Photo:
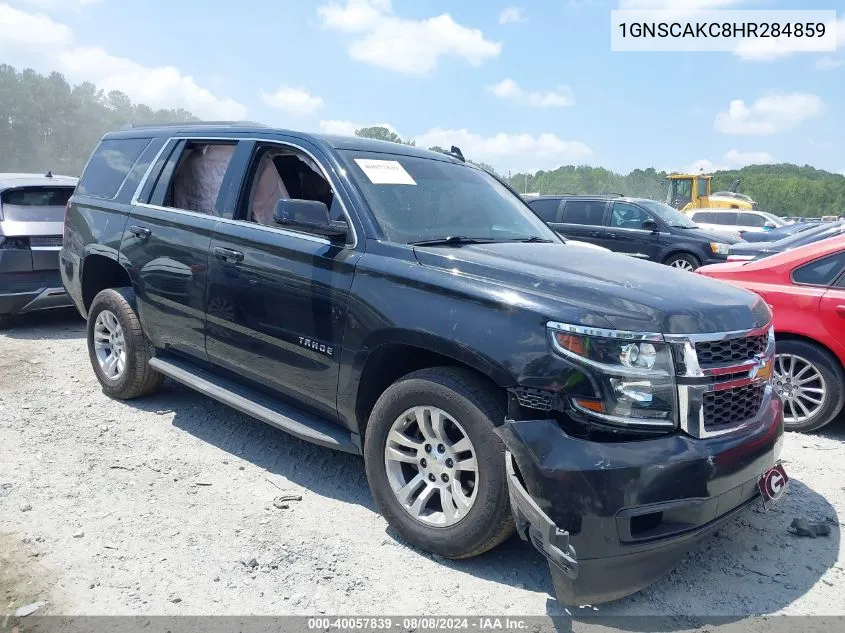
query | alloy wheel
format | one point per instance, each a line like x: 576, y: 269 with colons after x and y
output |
x: 682, y: 264
x: 431, y: 466
x: 109, y: 344
x: 801, y: 386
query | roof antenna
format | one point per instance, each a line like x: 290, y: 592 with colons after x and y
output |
x: 457, y: 153
x: 49, y: 174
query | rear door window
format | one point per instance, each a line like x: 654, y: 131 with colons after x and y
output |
x: 821, y: 272
x: 546, y: 209
x: 197, y: 171
x: 704, y: 217
x: 729, y: 218
x: 109, y: 165
x: 586, y: 212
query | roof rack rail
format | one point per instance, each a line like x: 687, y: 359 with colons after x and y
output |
x: 141, y: 126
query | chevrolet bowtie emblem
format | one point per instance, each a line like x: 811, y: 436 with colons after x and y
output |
x: 762, y: 369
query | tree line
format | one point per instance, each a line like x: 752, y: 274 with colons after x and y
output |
x: 47, y: 124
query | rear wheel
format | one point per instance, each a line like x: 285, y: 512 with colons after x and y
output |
x: 435, y: 464
x: 117, y: 348
x: 809, y: 381
x: 683, y: 261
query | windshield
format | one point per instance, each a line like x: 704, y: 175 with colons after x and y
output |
x: 815, y: 234
x: 670, y: 216
x: 419, y: 199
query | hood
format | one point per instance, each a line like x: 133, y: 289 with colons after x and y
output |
x: 610, y: 290
x: 710, y: 236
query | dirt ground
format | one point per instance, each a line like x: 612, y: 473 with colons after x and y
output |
x: 165, y: 506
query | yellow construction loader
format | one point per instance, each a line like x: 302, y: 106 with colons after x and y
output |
x: 687, y: 191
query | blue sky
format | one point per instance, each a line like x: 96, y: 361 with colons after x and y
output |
x: 520, y: 84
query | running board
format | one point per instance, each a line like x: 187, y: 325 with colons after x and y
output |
x: 285, y: 417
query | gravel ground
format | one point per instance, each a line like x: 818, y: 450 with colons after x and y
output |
x: 165, y: 506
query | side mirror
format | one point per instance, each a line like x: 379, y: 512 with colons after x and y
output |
x: 309, y: 216
x: 650, y: 225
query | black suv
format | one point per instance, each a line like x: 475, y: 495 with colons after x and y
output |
x: 638, y: 227
x: 402, y: 304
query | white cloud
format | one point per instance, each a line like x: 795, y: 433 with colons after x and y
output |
x: 512, y: 14
x: 829, y: 63
x: 677, y: 5
x: 62, y: 4
x: 413, y: 47
x: 347, y: 128
x: 35, y: 40
x: 517, y: 152
x: 732, y: 159
x: 508, y: 89
x: 295, y: 101
x: 735, y: 158
x: 768, y: 49
x: 769, y: 114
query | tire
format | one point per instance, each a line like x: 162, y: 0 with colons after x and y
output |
x: 137, y: 378
x: 683, y: 261
x: 473, y: 405
x: 831, y: 380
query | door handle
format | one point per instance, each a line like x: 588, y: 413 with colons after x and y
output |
x: 612, y: 236
x: 227, y: 254
x: 840, y: 310
x: 594, y: 233
x: 140, y: 231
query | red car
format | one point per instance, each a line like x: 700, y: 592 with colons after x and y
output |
x: 805, y: 288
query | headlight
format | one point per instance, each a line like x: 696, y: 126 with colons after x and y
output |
x: 633, y: 375
x: 720, y: 249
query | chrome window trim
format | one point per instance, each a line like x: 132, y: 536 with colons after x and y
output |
x: 279, y: 231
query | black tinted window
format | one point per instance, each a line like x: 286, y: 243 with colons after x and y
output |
x: 38, y: 196
x: 109, y: 166
x: 728, y: 217
x: 627, y: 216
x: 546, y: 209
x: 588, y: 212
x: 821, y: 272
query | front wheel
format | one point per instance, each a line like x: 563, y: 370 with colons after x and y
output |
x: 435, y: 465
x: 809, y: 381
x: 683, y: 261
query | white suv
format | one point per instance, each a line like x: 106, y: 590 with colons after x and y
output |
x: 735, y: 221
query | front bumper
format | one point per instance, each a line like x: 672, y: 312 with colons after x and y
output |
x: 612, y: 518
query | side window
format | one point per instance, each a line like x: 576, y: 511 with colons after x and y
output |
x: 546, y: 209
x: 702, y: 187
x: 627, y: 216
x: 821, y: 272
x: 589, y: 212
x: 705, y: 217
x: 197, y: 177
x: 728, y: 218
x: 282, y: 173
x: 109, y: 165
x: 752, y: 219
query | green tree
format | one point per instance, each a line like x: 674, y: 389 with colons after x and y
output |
x: 380, y: 133
x: 48, y: 125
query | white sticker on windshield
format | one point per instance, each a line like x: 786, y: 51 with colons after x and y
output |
x: 385, y: 172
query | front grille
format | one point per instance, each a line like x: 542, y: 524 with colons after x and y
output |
x: 735, y: 350
x: 732, y: 407
x: 45, y: 240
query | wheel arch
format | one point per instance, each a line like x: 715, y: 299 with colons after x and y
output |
x: 98, y: 273
x: 794, y: 336
x: 405, y: 352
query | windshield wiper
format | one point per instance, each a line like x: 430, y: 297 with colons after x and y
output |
x: 452, y: 239
x: 535, y: 239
